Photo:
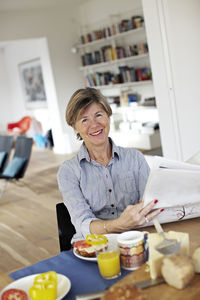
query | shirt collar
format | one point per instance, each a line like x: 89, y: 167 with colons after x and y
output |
x: 83, y: 153
x: 115, y: 149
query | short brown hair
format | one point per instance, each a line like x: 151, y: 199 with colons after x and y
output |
x: 82, y: 99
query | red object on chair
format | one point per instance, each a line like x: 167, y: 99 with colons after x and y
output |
x: 19, y: 127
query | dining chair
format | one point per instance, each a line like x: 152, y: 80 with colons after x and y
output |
x: 66, y: 229
x: 6, y: 143
x: 19, y: 127
x: 16, y: 168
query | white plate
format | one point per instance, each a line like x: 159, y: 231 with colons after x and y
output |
x: 25, y: 283
x: 84, y: 257
x: 112, y: 244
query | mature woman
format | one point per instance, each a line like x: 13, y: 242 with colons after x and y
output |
x: 103, y: 184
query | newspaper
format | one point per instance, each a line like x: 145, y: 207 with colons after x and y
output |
x: 176, y: 185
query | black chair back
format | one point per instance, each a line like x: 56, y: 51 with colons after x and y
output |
x: 6, y: 143
x: 66, y: 229
x: 23, y: 149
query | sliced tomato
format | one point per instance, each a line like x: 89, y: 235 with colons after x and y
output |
x: 14, y: 294
x: 81, y: 244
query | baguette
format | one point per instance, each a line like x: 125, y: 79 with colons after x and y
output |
x: 178, y: 270
x: 125, y: 292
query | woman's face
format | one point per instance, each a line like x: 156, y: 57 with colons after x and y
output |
x: 93, y: 125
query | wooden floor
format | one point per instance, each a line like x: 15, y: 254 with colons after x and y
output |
x: 28, y: 224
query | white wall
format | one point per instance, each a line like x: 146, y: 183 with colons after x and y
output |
x: 60, y: 29
x: 14, y: 54
x: 173, y: 30
x: 93, y: 12
x: 5, y: 96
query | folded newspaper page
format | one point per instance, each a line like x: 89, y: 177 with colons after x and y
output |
x: 176, y: 185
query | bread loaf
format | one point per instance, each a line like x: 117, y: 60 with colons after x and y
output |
x: 124, y: 292
x: 177, y: 270
x: 196, y: 260
x: 155, y: 257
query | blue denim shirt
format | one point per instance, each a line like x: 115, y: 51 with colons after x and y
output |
x: 92, y: 191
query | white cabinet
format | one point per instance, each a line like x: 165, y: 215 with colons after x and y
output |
x: 136, y: 127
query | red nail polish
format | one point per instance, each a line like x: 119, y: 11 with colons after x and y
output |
x: 155, y: 201
x: 162, y: 209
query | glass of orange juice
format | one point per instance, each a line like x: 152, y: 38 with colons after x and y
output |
x: 109, y: 264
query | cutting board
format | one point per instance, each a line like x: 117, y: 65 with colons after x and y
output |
x: 163, y: 291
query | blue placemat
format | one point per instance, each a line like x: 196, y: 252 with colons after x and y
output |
x: 84, y: 275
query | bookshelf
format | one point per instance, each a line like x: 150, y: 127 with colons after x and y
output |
x: 115, y: 59
x: 116, y: 54
x: 113, y: 62
x: 112, y: 37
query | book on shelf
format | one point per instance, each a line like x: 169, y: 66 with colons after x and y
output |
x: 123, y: 26
x: 89, y: 80
x: 143, y: 74
x: 137, y: 21
x: 151, y: 101
x: 98, y: 57
x: 125, y: 74
x: 113, y: 29
x: 114, y: 100
x: 83, y: 60
x: 89, y: 58
x: 108, y: 53
x: 129, y: 99
x: 142, y: 48
x: 82, y: 38
x: 120, y: 52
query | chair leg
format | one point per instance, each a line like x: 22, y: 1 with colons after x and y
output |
x: 4, y: 188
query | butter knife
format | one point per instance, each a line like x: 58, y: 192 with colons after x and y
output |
x: 142, y: 285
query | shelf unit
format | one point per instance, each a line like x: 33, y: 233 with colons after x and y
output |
x: 112, y: 37
x: 124, y: 85
x: 120, y: 63
x: 144, y: 88
x: 115, y: 62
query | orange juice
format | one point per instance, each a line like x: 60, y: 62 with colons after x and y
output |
x: 109, y: 264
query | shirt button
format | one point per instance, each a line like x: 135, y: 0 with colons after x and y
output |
x: 112, y: 213
x: 112, y: 205
x: 110, y: 190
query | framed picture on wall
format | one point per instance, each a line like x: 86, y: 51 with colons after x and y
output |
x: 33, y: 83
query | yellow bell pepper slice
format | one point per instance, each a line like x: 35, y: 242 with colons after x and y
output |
x: 49, y: 276
x: 44, y: 287
x: 96, y: 239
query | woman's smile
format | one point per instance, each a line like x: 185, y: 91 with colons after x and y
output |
x: 93, y: 125
x: 96, y: 133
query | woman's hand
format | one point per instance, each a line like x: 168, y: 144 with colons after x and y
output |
x: 132, y: 216
x: 137, y: 215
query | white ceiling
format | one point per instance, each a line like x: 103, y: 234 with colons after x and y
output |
x: 13, y: 5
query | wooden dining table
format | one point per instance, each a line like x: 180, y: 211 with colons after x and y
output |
x: 191, y: 226
x: 164, y: 291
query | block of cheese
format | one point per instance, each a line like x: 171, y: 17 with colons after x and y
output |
x: 196, y: 259
x: 177, y: 270
x: 155, y: 257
